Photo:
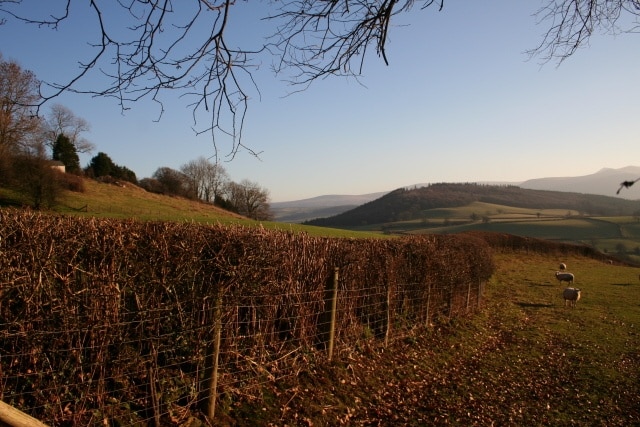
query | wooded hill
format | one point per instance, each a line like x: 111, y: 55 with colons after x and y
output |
x: 409, y: 204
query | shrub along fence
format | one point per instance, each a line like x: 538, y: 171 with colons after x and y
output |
x: 150, y: 323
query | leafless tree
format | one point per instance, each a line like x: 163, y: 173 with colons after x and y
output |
x: 145, y: 48
x: 249, y: 199
x: 62, y: 121
x: 18, y: 95
x: 174, y: 182
x: 22, y: 154
x: 207, y: 178
x: 35, y: 178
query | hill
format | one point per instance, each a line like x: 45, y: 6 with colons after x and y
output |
x: 319, y: 207
x: 129, y: 200
x: 126, y: 200
x: 410, y: 204
x: 604, y: 182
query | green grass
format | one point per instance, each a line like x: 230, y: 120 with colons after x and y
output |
x: 525, y: 359
x: 319, y: 231
x: 570, y: 229
x: 493, y: 210
x: 129, y: 201
x: 606, y: 234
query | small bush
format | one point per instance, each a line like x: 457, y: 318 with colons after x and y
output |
x: 72, y: 182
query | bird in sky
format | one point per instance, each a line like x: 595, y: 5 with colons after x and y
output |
x: 626, y: 184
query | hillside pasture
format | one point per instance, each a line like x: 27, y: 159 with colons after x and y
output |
x: 493, y: 210
x: 126, y: 200
x: 561, y: 229
x: 525, y: 360
x: 610, y: 234
x: 630, y: 227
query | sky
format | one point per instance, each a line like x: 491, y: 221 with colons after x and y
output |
x: 460, y: 101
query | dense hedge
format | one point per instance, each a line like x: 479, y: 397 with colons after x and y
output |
x: 512, y: 243
x: 103, y: 319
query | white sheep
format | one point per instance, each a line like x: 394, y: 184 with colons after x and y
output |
x: 563, y: 266
x: 571, y: 296
x: 565, y: 277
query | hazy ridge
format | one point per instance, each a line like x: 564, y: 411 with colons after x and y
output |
x: 605, y: 182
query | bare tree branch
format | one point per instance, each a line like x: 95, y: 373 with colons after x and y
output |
x: 153, y: 48
x: 321, y: 38
x: 145, y: 48
x: 571, y: 23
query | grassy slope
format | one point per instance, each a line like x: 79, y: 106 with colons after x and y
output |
x: 129, y: 201
x: 604, y: 233
x: 524, y: 360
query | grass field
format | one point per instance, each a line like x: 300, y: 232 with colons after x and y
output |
x: 525, y: 360
x: 618, y: 234
x: 128, y: 201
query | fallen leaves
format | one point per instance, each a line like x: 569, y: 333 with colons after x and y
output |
x: 503, y: 367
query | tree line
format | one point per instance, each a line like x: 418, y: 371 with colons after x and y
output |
x: 209, y: 182
x: 39, y: 157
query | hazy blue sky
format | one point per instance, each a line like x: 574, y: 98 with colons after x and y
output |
x: 459, y: 102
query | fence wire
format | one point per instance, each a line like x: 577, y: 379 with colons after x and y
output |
x: 107, y: 322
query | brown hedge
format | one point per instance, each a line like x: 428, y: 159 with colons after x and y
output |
x: 104, y: 318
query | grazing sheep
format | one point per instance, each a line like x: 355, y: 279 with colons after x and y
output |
x: 563, y: 266
x: 571, y: 296
x: 565, y: 277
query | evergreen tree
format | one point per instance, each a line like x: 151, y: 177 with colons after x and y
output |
x: 65, y: 152
x: 101, y: 165
x: 124, y: 173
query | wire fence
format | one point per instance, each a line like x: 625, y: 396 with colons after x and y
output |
x: 106, y: 322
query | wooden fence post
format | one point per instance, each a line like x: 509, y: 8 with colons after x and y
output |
x: 334, y: 306
x: 10, y: 416
x: 428, y: 301
x: 388, y: 329
x: 450, y: 306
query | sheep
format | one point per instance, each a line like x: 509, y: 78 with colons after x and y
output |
x: 565, y: 277
x: 563, y: 266
x: 571, y: 296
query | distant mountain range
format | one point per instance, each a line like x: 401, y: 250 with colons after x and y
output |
x: 604, y: 182
x: 319, y: 207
